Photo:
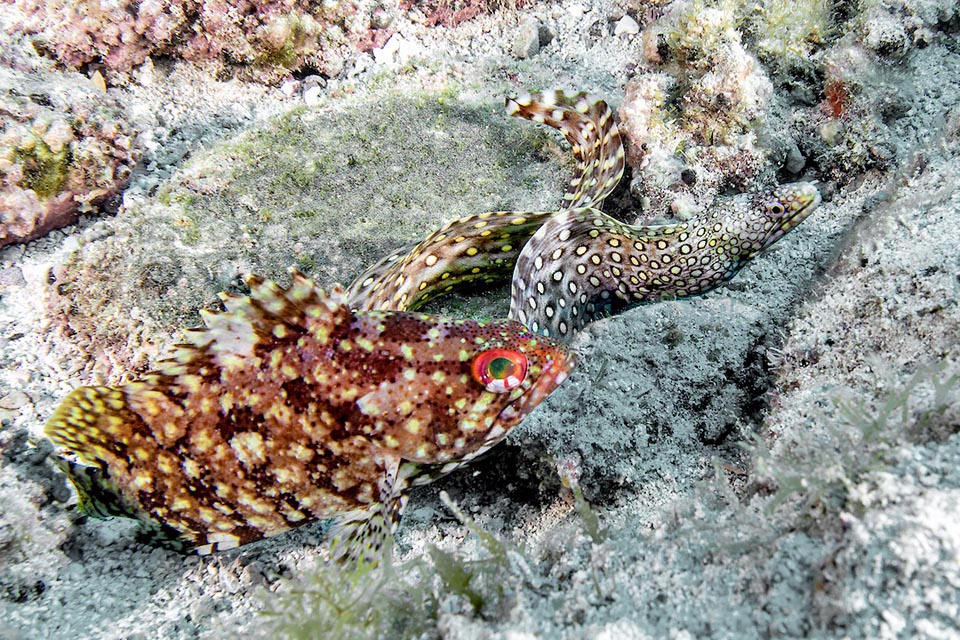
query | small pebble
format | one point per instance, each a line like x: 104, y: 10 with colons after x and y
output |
x: 526, y: 43
x: 312, y: 95
x: 795, y: 160
x: 290, y: 88
x: 626, y: 26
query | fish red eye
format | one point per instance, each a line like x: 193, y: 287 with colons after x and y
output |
x: 500, y: 370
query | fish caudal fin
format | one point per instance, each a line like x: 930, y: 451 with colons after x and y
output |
x: 98, y: 497
x: 589, y: 126
x: 92, y: 423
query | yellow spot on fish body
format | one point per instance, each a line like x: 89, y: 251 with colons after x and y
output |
x: 349, y: 393
x: 321, y: 333
x: 191, y: 468
x: 166, y: 463
x: 143, y: 481
x: 368, y: 406
x: 346, y: 345
x: 231, y: 362
x: 364, y: 344
x: 439, y: 376
x: 409, y: 374
x: 413, y: 426
x: 406, y: 351
x: 190, y: 382
x: 463, y: 355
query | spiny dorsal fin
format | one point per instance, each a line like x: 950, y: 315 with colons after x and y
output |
x: 269, y: 312
x: 589, y: 126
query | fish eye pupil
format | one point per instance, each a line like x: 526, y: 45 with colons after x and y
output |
x: 777, y: 209
x: 500, y: 368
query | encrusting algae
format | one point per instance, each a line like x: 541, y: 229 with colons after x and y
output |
x: 288, y: 407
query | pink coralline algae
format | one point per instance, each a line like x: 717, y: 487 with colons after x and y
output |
x: 267, y: 37
x: 65, y: 148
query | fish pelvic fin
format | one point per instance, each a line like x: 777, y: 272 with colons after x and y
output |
x: 366, y: 537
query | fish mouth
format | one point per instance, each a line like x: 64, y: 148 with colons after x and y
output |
x: 555, y: 371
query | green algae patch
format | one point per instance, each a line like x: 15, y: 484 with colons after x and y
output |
x: 44, y: 170
x: 329, y: 190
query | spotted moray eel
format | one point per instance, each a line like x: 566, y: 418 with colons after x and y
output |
x: 289, y: 407
x: 484, y: 248
x: 574, y: 265
x: 583, y: 264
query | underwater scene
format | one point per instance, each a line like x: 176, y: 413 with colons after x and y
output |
x: 465, y: 319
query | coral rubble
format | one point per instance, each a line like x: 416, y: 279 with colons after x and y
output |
x: 65, y: 149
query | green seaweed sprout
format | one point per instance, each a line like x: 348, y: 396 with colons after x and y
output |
x: 404, y: 600
x: 830, y: 476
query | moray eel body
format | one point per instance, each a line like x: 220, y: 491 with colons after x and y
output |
x: 583, y: 264
x: 574, y: 265
x: 290, y: 407
x: 484, y: 248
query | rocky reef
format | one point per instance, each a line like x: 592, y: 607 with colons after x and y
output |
x: 66, y: 148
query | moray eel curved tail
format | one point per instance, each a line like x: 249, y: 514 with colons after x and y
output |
x: 583, y: 264
x: 589, y: 126
x: 484, y: 248
x: 476, y: 249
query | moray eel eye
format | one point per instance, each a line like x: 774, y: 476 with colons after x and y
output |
x: 500, y: 370
x: 777, y: 209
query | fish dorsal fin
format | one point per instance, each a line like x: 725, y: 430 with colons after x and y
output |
x: 269, y: 313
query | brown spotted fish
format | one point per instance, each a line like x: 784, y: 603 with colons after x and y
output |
x: 289, y: 407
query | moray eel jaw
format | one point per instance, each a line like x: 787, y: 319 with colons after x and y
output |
x: 785, y: 208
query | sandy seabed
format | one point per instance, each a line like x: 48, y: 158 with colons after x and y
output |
x: 777, y: 458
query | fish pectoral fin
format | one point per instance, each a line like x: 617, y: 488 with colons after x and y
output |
x: 365, y: 537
